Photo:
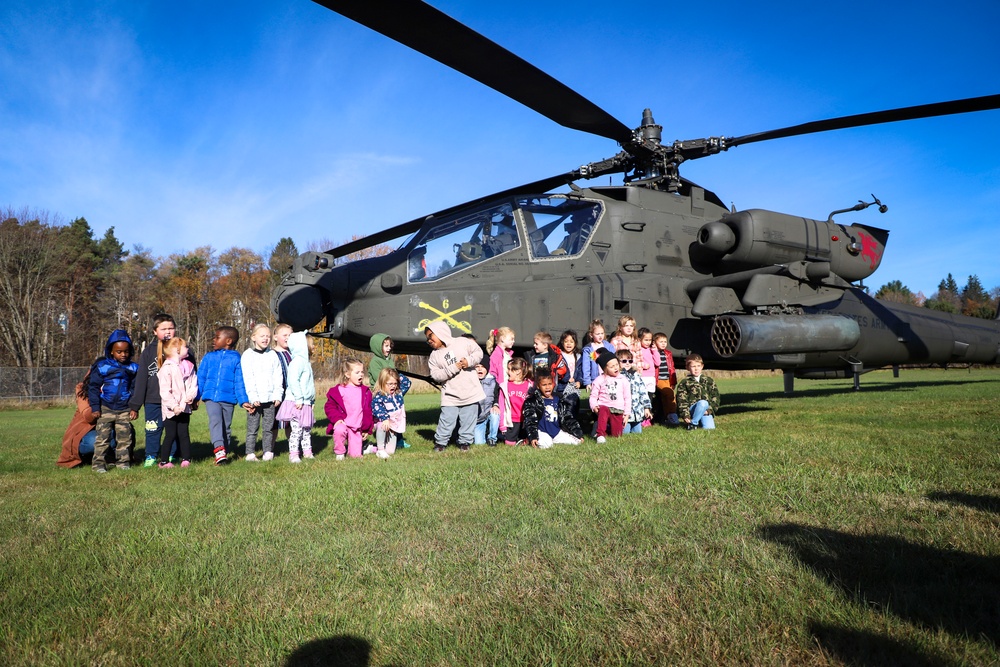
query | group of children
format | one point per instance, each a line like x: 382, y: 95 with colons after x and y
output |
x: 274, y: 385
x: 533, y: 399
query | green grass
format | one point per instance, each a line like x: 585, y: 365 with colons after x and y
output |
x: 833, y: 527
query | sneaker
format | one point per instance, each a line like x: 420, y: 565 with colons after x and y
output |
x: 601, y: 440
x: 268, y: 456
x: 340, y: 457
x: 370, y: 449
x: 100, y: 470
x: 222, y: 462
x: 404, y: 444
x: 294, y: 459
x: 439, y: 448
x: 382, y: 454
x: 691, y: 427
x: 519, y: 443
x: 463, y: 448
x: 149, y: 462
x: 124, y: 466
x: 491, y: 442
x: 168, y: 464
x: 308, y: 454
x: 250, y: 457
x: 185, y: 463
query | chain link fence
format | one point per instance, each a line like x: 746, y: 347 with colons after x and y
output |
x: 24, y: 385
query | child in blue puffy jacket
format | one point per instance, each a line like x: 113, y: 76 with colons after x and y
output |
x: 220, y: 380
x: 112, y: 381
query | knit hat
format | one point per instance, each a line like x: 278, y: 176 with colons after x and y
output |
x: 603, y: 357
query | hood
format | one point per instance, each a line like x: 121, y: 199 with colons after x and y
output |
x: 376, y: 344
x: 118, y: 336
x: 442, y: 331
x: 297, y: 345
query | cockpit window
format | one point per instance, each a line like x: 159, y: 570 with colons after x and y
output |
x: 462, y: 242
x: 559, y: 227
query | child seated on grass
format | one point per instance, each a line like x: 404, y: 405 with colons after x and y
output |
x: 697, y: 396
x: 548, y: 420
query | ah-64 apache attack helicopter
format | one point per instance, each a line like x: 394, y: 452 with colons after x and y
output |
x: 745, y: 289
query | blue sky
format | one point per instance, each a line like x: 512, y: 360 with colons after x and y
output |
x: 233, y: 124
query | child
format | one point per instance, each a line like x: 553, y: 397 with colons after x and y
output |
x: 516, y: 390
x: 547, y: 357
x: 178, y: 392
x: 547, y: 418
x: 666, y: 380
x: 265, y: 385
x: 280, y: 344
x: 297, y: 406
x: 111, y: 387
x: 641, y: 408
x: 349, y: 410
x: 697, y: 396
x: 647, y: 365
x: 452, y: 363
x: 489, y: 412
x: 381, y: 346
x: 220, y: 378
x: 570, y: 349
x: 389, y: 411
x: 147, y: 389
x: 500, y: 347
x: 648, y: 362
x: 625, y: 337
x: 610, y: 397
x: 591, y: 369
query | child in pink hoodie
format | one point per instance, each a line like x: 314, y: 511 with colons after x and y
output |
x: 610, y: 397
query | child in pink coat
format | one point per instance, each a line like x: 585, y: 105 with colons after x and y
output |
x: 349, y: 410
x: 178, y: 391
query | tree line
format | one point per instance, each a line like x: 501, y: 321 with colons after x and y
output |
x: 972, y: 299
x: 62, y: 291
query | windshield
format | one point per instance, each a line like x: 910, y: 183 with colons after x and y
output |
x: 463, y: 242
x: 559, y: 227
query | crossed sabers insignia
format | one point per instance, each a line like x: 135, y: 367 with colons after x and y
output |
x: 446, y: 317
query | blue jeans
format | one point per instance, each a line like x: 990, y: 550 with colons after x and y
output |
x: 492, y: 421
x: 633, y: 427
x: 87, y: 443
x: 698, y: 416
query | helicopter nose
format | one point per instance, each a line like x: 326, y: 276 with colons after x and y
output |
x: 299, y: 306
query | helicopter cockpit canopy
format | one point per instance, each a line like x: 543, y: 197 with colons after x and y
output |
x: 555, y: 227
x: 558, y: 226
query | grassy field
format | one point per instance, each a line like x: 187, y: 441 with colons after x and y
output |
x: 834, y: 527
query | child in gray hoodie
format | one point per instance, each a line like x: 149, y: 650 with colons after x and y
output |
x: 452, y: 364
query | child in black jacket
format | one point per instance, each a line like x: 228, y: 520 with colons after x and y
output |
x: 548, y: 420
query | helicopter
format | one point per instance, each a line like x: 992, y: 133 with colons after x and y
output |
x: 746, y: 289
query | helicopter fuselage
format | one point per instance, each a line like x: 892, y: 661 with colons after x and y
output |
x: 749, y: 289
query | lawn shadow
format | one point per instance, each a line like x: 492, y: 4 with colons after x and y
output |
x: 865, y: 649
x: 976, y: 502
x: 927, y: 586
x: 338, y: 651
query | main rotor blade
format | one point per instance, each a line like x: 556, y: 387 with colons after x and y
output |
x: 436, y: 35
x: 969, y: 105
